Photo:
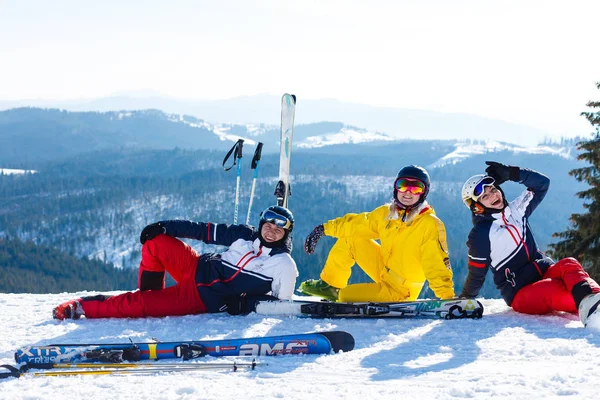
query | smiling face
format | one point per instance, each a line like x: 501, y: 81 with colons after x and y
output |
x: 492, y: 198
x: 272, y: 233
x: 407, y: 198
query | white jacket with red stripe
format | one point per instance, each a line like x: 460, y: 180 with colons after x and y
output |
x: 247, y: 267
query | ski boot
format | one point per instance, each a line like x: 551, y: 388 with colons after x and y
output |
x: 319, y: 288
x: 69, y: 310
x: 588, y: 306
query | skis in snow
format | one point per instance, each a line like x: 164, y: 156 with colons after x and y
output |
x: 306, y: 343
x: 59, y: 369
x: 444, y: 309
x: 288, y: 111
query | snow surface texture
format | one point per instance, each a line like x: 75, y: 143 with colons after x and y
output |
x: 504, y: 355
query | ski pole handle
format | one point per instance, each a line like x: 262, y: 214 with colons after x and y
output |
x: 237, y: 149
x: 256, y: 158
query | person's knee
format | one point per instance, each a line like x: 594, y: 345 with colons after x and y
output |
x: 157, y: 242
x: 570, y: 263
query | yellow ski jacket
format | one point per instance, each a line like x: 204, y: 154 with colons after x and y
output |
x: 411, y: 251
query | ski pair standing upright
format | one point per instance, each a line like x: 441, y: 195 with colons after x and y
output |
x: 288, y: 111
x: 282, y: 189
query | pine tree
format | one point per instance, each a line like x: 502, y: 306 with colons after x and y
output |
x: 582, y: 241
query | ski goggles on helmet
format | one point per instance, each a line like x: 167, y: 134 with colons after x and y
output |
x: 480, y: 187
x: 276, y: 219
x: 414, y: 186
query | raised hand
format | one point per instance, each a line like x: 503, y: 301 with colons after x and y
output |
x: 501, y: 172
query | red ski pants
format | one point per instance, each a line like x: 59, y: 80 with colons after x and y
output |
x: 553, y: 291
x: 163, y: 253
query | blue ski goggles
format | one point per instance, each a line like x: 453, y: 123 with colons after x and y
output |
x: 276, y: 219
x: 480, y: 187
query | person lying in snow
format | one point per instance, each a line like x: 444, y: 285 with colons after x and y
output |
x: 413, y: 248
x: 501, y: 240
x: 257, y: 263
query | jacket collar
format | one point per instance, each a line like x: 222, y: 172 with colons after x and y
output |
x: 271, y: 251
x: 394, y: 213
x: 492, y: 216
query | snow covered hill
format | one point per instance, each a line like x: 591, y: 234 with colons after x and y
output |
x: 504, y: 355
x: 464, y: 150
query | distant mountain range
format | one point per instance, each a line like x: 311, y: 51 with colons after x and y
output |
x: 265, y: 109
x: 29, y: 136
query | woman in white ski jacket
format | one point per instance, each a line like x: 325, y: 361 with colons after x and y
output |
x: 502, y: 240
x: 257, y: 263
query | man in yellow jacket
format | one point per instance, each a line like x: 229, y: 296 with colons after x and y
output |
x: 412, y: 248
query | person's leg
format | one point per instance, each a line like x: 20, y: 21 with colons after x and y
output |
x: 165, y: 253
x: 181, y: 299
x: 577, y: 282
x: 345, y: 253
x: 543, y: 297
x: 377, y: 292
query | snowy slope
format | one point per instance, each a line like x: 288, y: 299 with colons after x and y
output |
x: 10, y: 171
x: 504, y: 355
x: 346, y: 135
x: 465, y: 150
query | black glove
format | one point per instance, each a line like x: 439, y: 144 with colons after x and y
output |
x: 313, y: 238
x: 151, y: 231
x: 502, y: 173
x: 236, y: 305
x: 242, y: 305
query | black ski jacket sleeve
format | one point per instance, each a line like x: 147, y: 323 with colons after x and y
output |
x: 209, y: 233
x: 479, y: 259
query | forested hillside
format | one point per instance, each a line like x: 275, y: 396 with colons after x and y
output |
x: 31, y: 268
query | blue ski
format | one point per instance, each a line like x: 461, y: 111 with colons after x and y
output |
x: 306, y: 343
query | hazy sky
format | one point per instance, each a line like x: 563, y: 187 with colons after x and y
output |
x: 529, y: 62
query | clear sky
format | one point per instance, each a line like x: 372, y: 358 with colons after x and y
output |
x: 526, y: 61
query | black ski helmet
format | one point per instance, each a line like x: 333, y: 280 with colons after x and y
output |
x: 414, y: 172
x: 281, y: 217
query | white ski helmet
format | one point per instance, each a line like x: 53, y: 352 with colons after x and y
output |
x: 473, y: 184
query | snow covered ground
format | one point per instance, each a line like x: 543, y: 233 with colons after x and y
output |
x: 504, y: 355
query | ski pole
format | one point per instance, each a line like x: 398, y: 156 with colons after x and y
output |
x: 254, y: 166
x: 237, y: 149
x: 117, y: 369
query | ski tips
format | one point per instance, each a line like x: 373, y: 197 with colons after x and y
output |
x: 340, y: 340
x: 289, y: 98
